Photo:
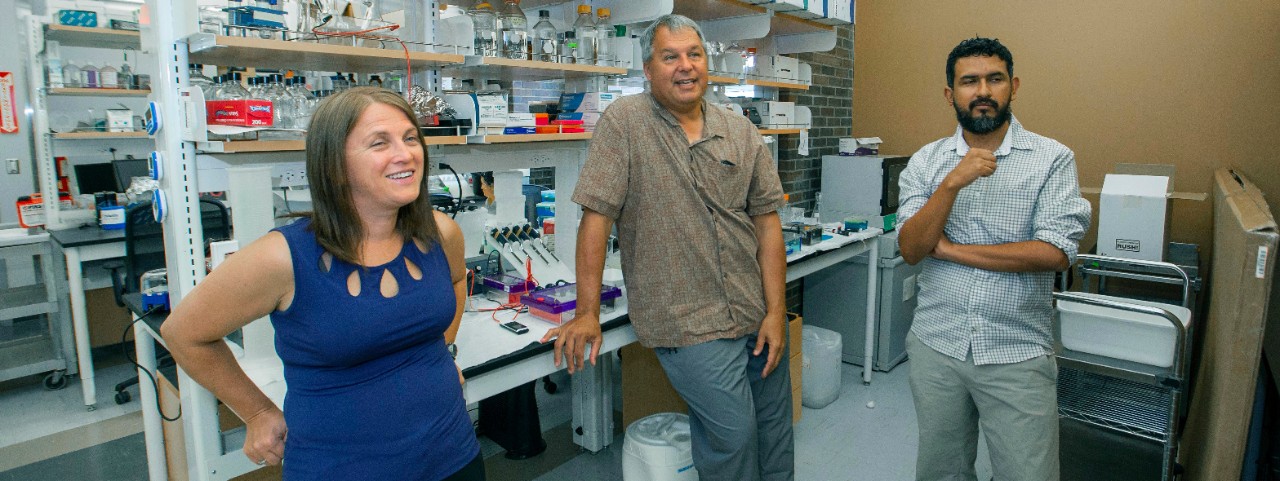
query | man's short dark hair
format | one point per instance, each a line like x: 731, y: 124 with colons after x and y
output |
x: 977, y: 47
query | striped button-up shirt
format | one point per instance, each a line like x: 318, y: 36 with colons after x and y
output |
x: 1001, y: 317
x: 683, y: 213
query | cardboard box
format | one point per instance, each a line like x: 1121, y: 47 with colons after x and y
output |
x: 778, y: 66
x: 1133, y: 216
x: 796, y: 410
x: 587, y: 101
x: 774, y: 114
x: 107, y: 320
x: 175, y: 448
x: 794, y: 325
x: 645, y: 387
x: 119, y: 120
x: 243, y: 113
x: 837, y: 12
x: 1236, y: 332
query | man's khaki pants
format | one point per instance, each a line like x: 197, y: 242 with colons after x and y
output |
x: 1016, y: 405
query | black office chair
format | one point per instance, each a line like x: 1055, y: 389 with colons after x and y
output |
x: 144, y: 251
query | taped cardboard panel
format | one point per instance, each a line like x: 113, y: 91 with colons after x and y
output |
x: 1213, y: 444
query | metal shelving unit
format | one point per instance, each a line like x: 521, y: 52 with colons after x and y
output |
x: 35, y: 336
x: 103, y: 38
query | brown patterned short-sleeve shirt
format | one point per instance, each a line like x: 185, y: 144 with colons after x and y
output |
x: 683, y: 213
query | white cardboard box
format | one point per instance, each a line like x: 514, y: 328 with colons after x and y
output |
x: 774, y: 114
x: 1133, y: 219
x: 778, y: 66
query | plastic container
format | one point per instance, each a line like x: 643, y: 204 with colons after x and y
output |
x: 658, y: 448
x: 1120, y: 334
x: 821, y: 366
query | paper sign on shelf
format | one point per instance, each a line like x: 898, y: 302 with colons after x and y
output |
x: 8, y: 105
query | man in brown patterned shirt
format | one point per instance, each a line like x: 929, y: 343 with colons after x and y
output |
x: 695, y: 196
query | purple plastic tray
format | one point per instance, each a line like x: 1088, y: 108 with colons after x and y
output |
x: 507, y: 283
x: 555, y: 300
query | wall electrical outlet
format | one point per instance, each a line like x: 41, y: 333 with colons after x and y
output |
x: 11, y: 166
x: 293, y: 174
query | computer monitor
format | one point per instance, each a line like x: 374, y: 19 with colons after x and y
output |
x: 127, y: 169
x: 94, y: 178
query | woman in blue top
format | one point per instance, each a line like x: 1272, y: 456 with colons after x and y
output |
x: 365, y: 294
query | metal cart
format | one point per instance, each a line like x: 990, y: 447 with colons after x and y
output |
x: 1122, y: 419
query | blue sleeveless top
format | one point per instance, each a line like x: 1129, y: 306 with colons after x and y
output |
x: 372, y: 391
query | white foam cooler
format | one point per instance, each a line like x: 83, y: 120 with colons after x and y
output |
x: 1120, y: 334
x: 658, y: 448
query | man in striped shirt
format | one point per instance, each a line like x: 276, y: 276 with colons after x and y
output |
x: 992, y: 211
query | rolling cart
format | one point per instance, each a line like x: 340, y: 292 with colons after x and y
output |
x: 1121, y: 419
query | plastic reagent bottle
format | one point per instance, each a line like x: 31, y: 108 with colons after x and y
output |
x: 605, y: 34
x: 485, y: 23
x: 545, y: 47
x: 514, y: 30
x: 585, y: 30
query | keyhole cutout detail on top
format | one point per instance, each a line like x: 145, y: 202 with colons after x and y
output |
x: 389, y: 286
x: 326, y: 262
x: 414, y: 271
x: 353, y: 283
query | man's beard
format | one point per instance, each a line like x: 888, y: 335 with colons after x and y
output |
x: 983, y: 124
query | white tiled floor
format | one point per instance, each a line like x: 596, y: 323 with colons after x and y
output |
x: 29, y: 411
x: 844, y: 440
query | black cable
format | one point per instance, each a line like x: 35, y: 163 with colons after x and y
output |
x: 488, y: 261
x: 285, y: 191
x: 458, y: 205
x: 150, y: 375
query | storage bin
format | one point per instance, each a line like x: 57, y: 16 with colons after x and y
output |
x: 821, y: 384
x: 658, y: 448
x: 1127, y: 335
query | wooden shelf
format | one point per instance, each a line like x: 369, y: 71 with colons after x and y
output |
x: 784, y: 24
x: 99, y: 135
x: 243, y: 146
x: 779, y: 131
x: 299, y: 55
x: 93, y: 37
x: 513, y: 69
x: 700, y: 10
x: 445, y: 140
x: 508, y: 139
x: 83, y: 92
x: 781, y: 84
x: 248, y: 146
x: 722, y: 80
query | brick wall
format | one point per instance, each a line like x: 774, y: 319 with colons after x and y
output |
x: 830, y: 99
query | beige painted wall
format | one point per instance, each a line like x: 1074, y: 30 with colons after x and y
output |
x: 1192, y: 83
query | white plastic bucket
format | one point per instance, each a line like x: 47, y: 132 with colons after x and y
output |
x: 821, y: 368
x: 658, y: 448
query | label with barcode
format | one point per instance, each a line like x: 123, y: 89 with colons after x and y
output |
x: 1261, y: 268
